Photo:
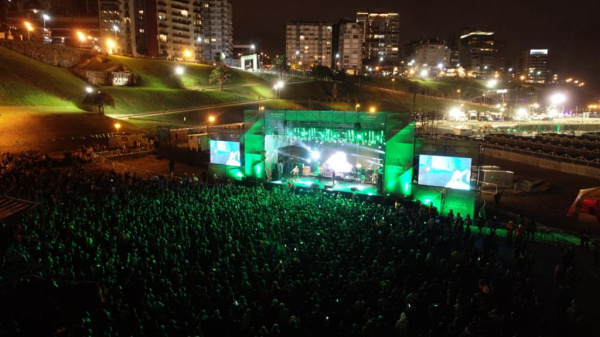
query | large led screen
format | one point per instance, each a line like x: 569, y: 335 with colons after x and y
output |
x: 449, y: 172
x: 225, y: 153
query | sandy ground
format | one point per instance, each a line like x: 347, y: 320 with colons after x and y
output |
x: 48, y: 129
x: 547, y: 207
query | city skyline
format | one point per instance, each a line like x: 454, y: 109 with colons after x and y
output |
x: 566, y: 30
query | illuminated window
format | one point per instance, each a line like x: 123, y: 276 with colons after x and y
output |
x: 141, y: 12
x: 162, y: 38
x: 141, y: 31
x: 184, y: 14
x: 206, y: 5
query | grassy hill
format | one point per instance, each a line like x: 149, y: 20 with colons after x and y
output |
x: 28, y: 82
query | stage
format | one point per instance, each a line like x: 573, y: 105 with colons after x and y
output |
x: 327, y: 184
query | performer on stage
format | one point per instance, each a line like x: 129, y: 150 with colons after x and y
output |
x: 295, y: 171
x: 374, y: 178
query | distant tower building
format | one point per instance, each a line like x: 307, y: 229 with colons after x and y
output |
x: 189, y: 30
x: 534, y: 65
x: 350, y: 47
x: 431, y: 53
x: 381, y: 35
x: 477, y: 53
x: 217, y: 29
x: 308, y: 43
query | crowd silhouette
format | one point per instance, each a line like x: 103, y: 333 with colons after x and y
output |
x: 177, y: 257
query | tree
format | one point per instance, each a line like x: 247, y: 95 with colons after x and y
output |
x: 219, y: 57
x: 102, y: 99
x: 280, y: 65
x: 220, y: 75
x: 322, y: 72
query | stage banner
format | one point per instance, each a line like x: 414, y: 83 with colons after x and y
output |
x: 399, y: 149
x: 254, y: 144
x: 448, y: 147
x: 446, y: 199
x: 459, y: 201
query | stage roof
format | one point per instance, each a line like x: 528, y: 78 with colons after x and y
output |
x: 10, y: 207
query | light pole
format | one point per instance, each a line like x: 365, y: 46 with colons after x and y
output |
x: 111, y: 45
x: 117, y: 126
x: 211, y: 121
x: 337, y: 61
x: 46, y: 17
x: 278, y: 86
x: 252, y: 47
x: 115, y: 29
x: 29, y: 29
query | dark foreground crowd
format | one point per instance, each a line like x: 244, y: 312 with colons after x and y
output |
x: 116, y: 255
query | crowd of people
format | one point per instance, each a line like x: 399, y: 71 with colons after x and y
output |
x: 177, y: 257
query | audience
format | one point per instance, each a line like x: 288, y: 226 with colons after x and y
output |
x: 180, y: 258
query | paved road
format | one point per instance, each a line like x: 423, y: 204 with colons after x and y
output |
x: 176, y: 111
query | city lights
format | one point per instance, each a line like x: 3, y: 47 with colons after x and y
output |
x: 179, y: 70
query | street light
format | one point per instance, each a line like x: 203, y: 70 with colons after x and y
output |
x: 558, y: 98
x: 117, y: 126
x: 179, y: 70
x: 89, y: 90
x: 187, y: 54
x: 372, y: 109
x: 356, y: 107
x: 46, y: 17
x: 211, y: 119
x: 278, y: 86
x: 29, y: 28
x: 111, y: 45
x: 252, y: 47
x: 492, y: 83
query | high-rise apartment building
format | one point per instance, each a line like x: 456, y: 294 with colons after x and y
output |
x: 181, y: 29
x: 381, y: 36
x: 477, y: 53
x: 308, y: 43
x: 216, y: 26
x: 350, y: 45
x: 534, y: 65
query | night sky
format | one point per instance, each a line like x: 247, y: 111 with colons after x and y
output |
x: 570, y: 29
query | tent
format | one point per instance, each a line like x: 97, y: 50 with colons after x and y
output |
x: 588, y: 200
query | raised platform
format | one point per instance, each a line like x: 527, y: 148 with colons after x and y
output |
x: 327, y: 184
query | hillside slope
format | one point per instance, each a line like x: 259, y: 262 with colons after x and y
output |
x: 28, y: 82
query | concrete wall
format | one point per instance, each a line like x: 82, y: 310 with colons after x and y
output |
x: 104, y: 78
x: 562, y: 165
x: 52, y: 54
